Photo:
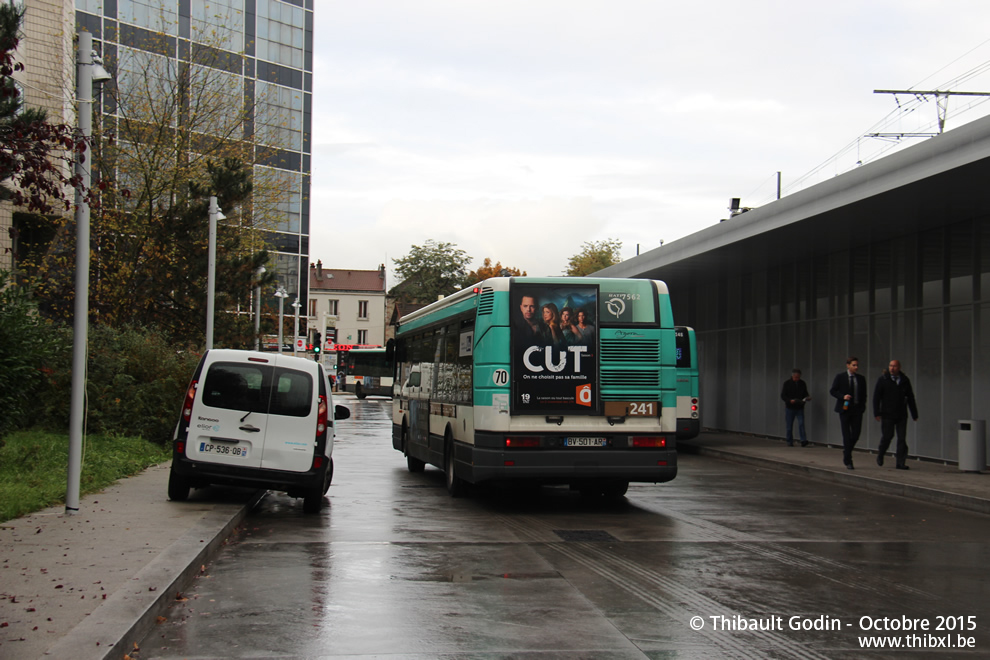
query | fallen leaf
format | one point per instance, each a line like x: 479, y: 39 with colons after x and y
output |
x: 180, y: 598
x: 136, y: 647
x: 161, y: 619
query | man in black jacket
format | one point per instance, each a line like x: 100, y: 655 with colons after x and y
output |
x: 849, y: 390
x: 795, y: 393
x: 891, y: 399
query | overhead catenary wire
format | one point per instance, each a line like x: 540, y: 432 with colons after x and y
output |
x: 904, y: 108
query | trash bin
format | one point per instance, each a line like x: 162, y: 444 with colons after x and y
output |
x: 972, y: 445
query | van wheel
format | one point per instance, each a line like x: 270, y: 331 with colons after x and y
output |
x: 413, y: 463
x: 359, y: 392
x: 326, y: 489
x: 313, y: 500
x: 455, y: 485
x: 178, y: 487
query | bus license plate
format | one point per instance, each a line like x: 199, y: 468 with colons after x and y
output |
x: 584, y: 442
x: 223, y: 450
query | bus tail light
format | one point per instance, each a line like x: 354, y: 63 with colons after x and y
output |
x: 522, y: 441
x: 648, y: 441
x: 187, y: 405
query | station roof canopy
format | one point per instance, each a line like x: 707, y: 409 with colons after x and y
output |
x: 936, y: 182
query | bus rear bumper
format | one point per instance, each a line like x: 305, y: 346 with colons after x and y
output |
x: 688, y: 428
x: 478, y: 465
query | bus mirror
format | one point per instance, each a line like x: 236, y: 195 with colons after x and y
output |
x: 389, y: 351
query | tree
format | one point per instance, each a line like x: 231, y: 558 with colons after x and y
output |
x: 488, y: 270
x: 185, y: 129
x: 429, y: 271
x: 594, y: 256
x: 35, y: 155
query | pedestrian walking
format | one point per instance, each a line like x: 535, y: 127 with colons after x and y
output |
x: 849, y: 390
x: 892, y: 397
x: 795, y: 395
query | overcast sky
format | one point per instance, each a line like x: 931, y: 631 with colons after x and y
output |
x: 519, y: 130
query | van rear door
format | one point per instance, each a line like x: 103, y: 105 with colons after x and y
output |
x: 229, y: 417
x: 292, y: 414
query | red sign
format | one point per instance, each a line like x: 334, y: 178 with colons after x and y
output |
x: 351, y: 347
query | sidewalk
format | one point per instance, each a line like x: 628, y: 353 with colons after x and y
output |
x: 90, y: 585
x: 925, y: 480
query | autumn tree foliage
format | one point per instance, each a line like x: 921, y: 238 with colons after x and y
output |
x: 594, y: 256
x: 36, y: 156
x: 488, y: 270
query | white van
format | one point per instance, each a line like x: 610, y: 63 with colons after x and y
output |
x: 256, y: 419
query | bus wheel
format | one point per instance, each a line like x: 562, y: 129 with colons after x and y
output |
x: 455, y: 485
x: 413, y: 463
x: 615, y: 489
x: 359, y: 392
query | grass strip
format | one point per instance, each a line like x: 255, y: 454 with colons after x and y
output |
x: 34, y: 464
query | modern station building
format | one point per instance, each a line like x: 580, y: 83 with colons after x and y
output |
x: 889, y: 261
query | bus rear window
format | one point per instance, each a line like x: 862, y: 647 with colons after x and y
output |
x: 629, y: 302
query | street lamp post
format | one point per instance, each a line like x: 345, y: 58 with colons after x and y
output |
x: 211, y: 275
x: 282, y: 295
x: 257, y: 310
x: 88, y: 71
x: 295, y: 331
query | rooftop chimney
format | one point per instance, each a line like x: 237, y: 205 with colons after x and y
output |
x: 319, y: 269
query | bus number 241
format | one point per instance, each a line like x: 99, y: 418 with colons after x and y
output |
x: 642, y: 409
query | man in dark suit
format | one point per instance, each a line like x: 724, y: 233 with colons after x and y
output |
x: 849, y: 390
x: 891, y: 399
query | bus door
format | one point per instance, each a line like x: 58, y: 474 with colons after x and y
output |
x: 418, y: 398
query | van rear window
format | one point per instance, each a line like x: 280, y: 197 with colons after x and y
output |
x: 236, y: 387
x: 293, y: 394
x: 249, y: 387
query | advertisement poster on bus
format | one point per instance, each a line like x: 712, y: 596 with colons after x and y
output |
x: 554, y: 349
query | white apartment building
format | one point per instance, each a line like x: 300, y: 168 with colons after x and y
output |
x: 350, y: 302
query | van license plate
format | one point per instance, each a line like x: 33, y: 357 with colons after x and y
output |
x: 584, y: 442
x: 223, y: 450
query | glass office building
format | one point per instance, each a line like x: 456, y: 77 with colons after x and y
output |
x: 256, y: 51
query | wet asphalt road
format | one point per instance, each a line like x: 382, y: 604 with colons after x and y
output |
x: 393, y: 567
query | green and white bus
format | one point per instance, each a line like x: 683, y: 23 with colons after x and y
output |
x: 688, y: 411
x: 565, y: 380
x: 367, y: 372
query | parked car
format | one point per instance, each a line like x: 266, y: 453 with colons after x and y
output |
x: 256, y: 419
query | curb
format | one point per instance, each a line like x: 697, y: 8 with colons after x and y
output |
x: 954, y: 500
x: 130, y: 613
